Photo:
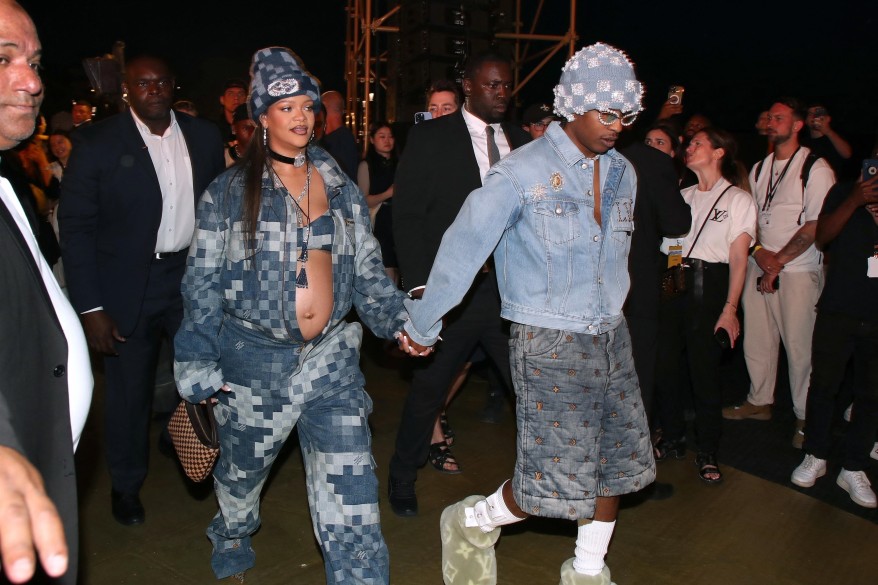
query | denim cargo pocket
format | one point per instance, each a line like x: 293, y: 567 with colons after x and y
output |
x: 558, y: 220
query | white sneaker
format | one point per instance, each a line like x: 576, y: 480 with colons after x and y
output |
x: 857, y: 485
x: 808, y: 471
x: 874, y: 452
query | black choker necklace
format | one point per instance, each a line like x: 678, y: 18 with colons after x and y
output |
x: 296, y: 161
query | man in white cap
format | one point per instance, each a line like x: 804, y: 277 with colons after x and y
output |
x: 558, y: 216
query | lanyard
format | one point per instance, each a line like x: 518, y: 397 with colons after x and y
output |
x: 771, y: 188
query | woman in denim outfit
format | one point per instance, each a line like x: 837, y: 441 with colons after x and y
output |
x: 282, y: 250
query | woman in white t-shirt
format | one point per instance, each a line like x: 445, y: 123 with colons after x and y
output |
x: 715, y: 255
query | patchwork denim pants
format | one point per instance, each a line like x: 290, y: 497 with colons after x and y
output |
x: 332, y: 422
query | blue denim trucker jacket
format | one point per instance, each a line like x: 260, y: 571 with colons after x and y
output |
x: 556, y: 267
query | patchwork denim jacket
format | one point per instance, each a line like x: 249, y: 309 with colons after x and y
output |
x: 232, y: 291
x: 556, y: 267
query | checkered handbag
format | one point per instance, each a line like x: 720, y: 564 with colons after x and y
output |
x: 193, y: 430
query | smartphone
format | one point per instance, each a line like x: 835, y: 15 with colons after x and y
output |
x: 759, y: 283
x: 870, y: 169
x: 675, y: 94
x: 722, y: 338
x: 421, y: 116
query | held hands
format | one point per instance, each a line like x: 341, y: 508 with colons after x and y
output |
x: 101, y: 332
x: 28, y: 521
x: 410, y: 347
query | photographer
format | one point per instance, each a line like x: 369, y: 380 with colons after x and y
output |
x: 824, y: 141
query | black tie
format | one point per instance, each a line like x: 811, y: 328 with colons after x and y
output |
x: 493, y: 151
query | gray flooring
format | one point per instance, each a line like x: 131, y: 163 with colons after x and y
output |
x: 745, y: 531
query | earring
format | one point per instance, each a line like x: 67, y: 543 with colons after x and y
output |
x: 264, y: 136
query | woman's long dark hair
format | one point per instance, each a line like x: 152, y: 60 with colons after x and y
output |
x: 372, y: 158
x: 672, y: 131
x: 252, y: 165
x: 730, y: 167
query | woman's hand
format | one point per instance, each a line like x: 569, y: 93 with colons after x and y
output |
x: 411, y: 347
x: 213, y: 399
x: 728, y: 320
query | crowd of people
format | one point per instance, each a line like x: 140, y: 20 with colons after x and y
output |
x: 538, y: 248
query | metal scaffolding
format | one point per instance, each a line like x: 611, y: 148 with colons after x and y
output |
x: 366, y: 63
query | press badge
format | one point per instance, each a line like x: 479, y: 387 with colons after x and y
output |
x: 675, y: 256
x: 765, y: 218
x: 872, y: 267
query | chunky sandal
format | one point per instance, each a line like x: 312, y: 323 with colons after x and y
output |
x: 447, y: 431
x: 665, y: 448
x: 441, y: 456
x: 708, y: 470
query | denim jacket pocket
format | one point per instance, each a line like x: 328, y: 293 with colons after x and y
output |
x: 238, y: 248
x: 557, y: 221
x: 622, y: 219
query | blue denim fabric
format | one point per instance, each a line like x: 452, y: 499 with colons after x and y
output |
x: 239, y: 328
x: 556, y: 267
x: 226, y: 280
x: 331, y: 415
x: 582, y: 430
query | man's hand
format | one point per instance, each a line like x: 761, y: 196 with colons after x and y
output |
x: 767, y: 261
x: 865, y: 192
x: 410, y: 347
x: 668, y: 110
x: 768, y: 284
x: 28, y: 521
x: 101, y: 332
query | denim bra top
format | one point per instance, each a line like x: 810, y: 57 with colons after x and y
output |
x: 322, y: 233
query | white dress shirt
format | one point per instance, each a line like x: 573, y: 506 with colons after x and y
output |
x: 79, y: 378
x: 479, y: 139
x: 170, y: 157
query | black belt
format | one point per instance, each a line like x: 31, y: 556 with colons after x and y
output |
x: 698, y: 264
x: 166, y: 255
x: 697, y: 267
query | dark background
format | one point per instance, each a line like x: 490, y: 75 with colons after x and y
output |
x: 732, y: 57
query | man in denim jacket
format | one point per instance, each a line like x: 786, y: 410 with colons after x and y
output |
x: 558, y: 216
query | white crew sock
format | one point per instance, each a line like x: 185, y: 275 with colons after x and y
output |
x: 592, y: 542
x: 491, y: 512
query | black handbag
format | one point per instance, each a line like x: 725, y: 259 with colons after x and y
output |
x: 673, y: 283
x: 196, y: 439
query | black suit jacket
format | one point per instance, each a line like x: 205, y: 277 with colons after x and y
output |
x: 659, y: 211
x: 111, y: 206
x: 34, y: 407
x: 436, y: 173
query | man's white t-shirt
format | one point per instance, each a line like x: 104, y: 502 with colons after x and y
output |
x: 784, y: 213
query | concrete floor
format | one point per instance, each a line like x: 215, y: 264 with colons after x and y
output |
x: 745, y: 531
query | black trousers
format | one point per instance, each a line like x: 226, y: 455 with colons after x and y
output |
x: 130, y: 376
x: 838, y: 338
x: 686, y: 328
x: 475, y: 322
x: 644, y: 346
